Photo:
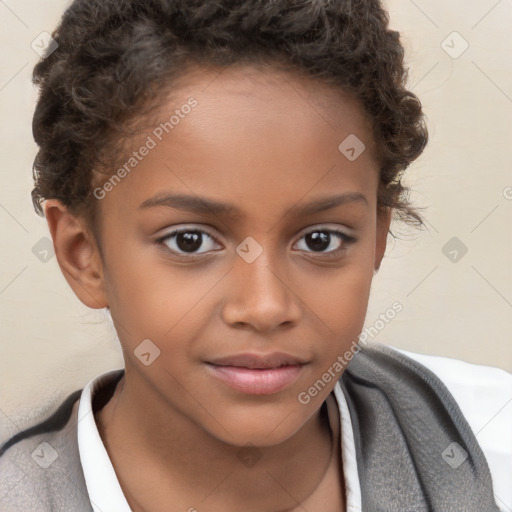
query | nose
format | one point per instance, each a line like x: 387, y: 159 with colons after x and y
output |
x: 260, y: 295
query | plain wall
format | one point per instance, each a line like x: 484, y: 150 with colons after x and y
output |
x: 51, y: 344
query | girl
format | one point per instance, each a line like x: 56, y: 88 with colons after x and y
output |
x: 222, y: 177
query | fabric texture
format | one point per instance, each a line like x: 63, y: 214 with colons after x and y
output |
x: 42, y: 472
x: 415, y: 451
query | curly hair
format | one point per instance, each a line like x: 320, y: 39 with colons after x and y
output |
x: 114, y: 57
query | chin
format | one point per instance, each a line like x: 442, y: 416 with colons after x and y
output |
x: 259, y: 429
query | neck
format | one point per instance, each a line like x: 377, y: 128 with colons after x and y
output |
x: 178, y: 454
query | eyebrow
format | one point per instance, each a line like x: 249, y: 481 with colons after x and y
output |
x: 203, y: 205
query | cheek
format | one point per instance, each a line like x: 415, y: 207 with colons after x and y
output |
x: 151, y: 298
x: 347, y: 295
x: 340, y: 303
x: 341, y: 294
x: 343, y: 311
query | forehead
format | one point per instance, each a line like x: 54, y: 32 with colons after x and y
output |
x: 270, y: 95
x: 253, y: 131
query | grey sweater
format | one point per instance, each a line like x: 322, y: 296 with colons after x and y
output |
x: 415, y: 450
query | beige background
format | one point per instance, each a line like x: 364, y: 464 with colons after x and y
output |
x: 51, y: 344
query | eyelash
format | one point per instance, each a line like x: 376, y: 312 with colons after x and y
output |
x: 346, y: 239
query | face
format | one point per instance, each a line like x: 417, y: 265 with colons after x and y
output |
x: 241, y: 246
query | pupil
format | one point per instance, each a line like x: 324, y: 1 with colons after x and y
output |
x: 192, y: 241
x: 317, y: 240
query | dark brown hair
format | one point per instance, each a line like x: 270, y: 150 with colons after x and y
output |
x: 114, y: 56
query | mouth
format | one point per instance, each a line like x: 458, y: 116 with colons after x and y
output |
x: 257, y: 374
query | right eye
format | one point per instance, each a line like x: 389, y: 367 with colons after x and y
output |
x: 186, y: 241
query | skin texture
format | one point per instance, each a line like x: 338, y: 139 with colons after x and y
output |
x: 265, y: 142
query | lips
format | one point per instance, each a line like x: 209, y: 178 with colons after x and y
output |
x: 258, y: 361
x: 257, y: 374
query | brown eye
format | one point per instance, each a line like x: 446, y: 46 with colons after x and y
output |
x: 320, y: 240
x: 187, y: 241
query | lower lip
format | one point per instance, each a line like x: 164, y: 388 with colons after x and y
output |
x: 255, y: 381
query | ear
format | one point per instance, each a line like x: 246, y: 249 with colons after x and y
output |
x: 383, y: 223
x: 77, y: 254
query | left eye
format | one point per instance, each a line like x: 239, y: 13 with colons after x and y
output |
x: 321, y: 239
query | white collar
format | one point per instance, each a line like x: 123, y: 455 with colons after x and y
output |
x: 103, y: 486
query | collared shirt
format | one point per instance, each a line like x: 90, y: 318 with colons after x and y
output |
x: 483, y: 393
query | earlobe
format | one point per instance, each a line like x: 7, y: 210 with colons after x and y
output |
x: 383, y: 223
x: 77, y: 254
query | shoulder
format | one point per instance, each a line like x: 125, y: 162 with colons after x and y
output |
x: 478, y: 388
x: 483, y: 393
x: 40, y: 466
x: 484, y: 396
